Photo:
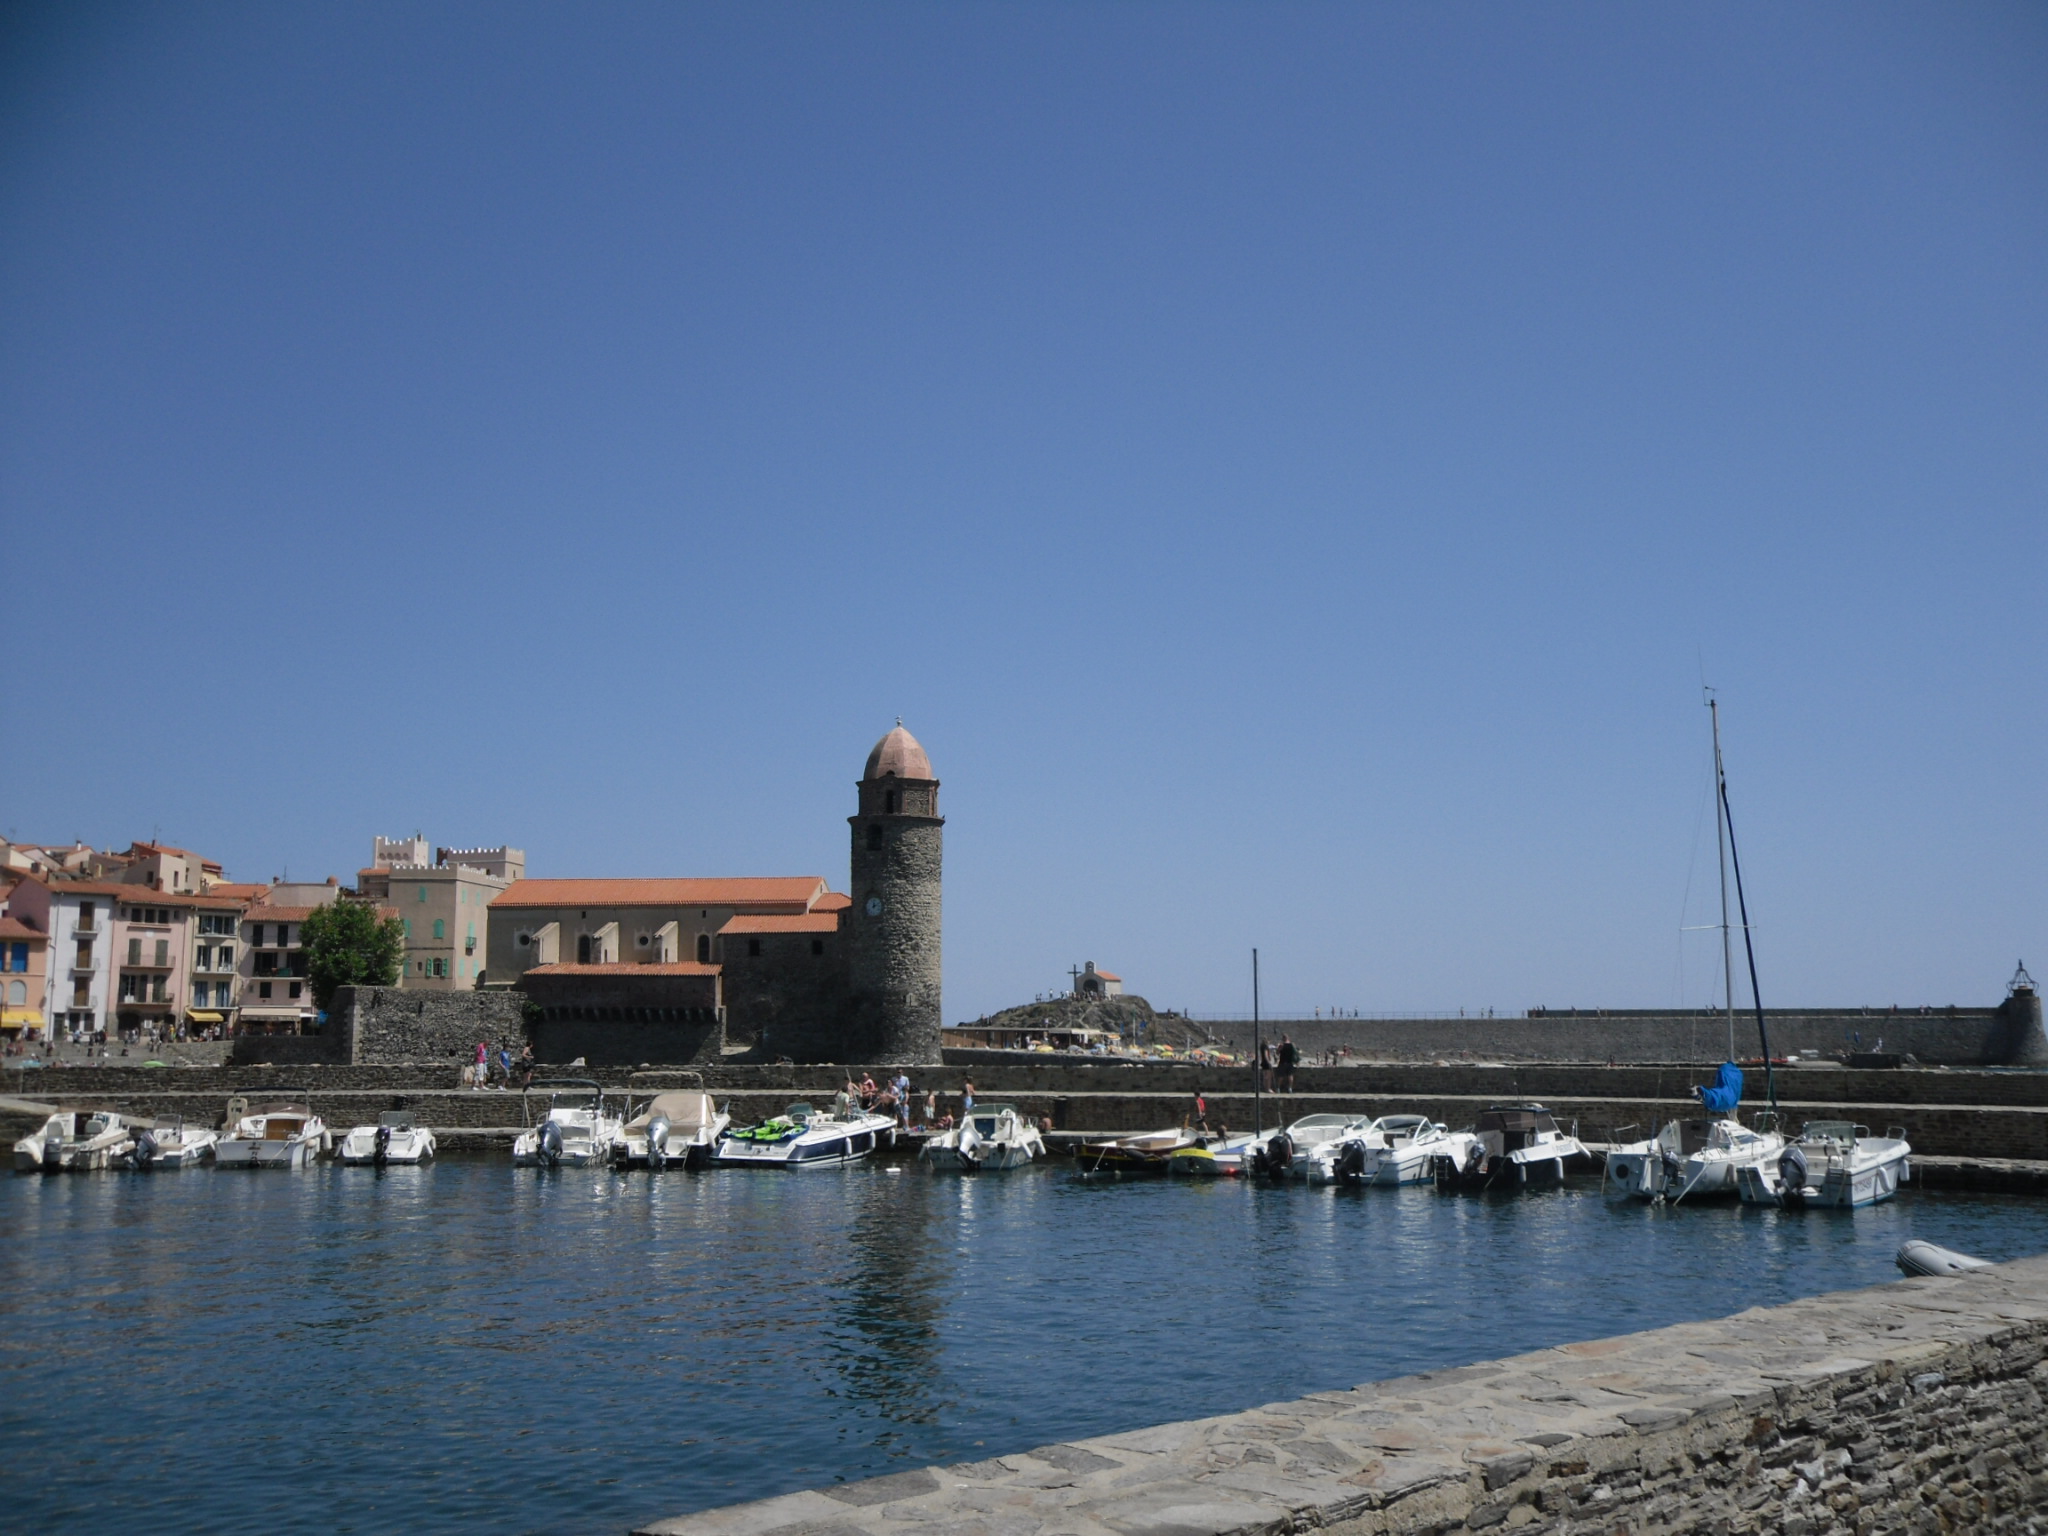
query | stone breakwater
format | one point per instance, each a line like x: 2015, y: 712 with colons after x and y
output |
x: 1953, y: 1114
x: 1916, y: 1406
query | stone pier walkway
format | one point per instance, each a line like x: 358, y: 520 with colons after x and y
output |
x: 1913, y: 1406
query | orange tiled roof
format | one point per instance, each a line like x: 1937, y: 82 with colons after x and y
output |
x: 224, y: 891
x: 791, y: 893
x: 627, y: 968
x: 832, y: 901
x: 15, y: 928
x: 776, y: 922
x: 1108, y: 976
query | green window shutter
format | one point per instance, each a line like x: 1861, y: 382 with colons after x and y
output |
x: 440, y: 929
x: 408, y: 927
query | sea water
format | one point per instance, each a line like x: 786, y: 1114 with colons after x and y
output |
x: 469, y: 1347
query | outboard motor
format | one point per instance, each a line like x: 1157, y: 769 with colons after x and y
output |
x: 383, y: 1152
x: 657, y: 1144
x: 145, y: 1150
x: 550, y: 1143
x: 1350, y: 1165
x: 1920, y: 1257
x: 1792, y: 1176
x: 53, y: 1149
x: 1279, y: 1155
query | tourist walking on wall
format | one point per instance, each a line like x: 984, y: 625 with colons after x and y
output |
x: 526, y: 1065
x: 967, y: 1096
x: 1290, y: 1056
x: 902, y: 1087
x: 483, y: 1062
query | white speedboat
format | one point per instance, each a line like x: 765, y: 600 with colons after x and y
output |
x: 1833, y: 1163
x: 1394, y: 1149
x: 393, y: 1139
x: 675, y: 1130
x: 989, y: 1136
x: 804, y: 1137
x: 578, y: 1131
x: 1290, y: 1153
x: 1512, y: 1147
x: 173, y: 1146
x: 1691, y: 1159
x: 283, y: 1135
x: 76, y: 1141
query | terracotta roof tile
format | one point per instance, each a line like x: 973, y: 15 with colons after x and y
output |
x: 791, y: 893
x: 776, y: 922
x: 15, y: 928
x: 832, y: 901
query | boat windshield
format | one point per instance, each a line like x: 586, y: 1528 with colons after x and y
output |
x: 1313, y: 1122
x: 799, y: 1113
x: 1843, y: 1131
x: 397, y: 1119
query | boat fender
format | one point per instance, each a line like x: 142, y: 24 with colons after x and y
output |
x: 657, y: 1143
x: 550, y: 1143
x: 1920, y: 1257
x: 145, y: 1149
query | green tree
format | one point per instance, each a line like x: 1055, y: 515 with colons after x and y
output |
x: 347, y: 945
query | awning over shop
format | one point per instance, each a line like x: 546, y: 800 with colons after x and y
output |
x: 273, y: 1013
x: 19, y: 1018
x: 205, y: 1016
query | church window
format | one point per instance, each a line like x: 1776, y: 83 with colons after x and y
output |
x: 817, y: 946
x: 754, y: 947
x: 889, y: 802
x: 583, y: 949
x: 875, y: 837
x: 703, y: 949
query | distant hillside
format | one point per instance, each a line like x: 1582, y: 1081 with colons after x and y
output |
x: 1121, y: 1015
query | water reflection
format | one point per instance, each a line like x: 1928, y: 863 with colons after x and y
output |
x: 471, y: 1347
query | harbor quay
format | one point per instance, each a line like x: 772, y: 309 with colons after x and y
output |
x: 1920, y: 1405
x: 1982, y: 1117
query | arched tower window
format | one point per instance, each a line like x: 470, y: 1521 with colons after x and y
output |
x: 703, y: 949
x: 875, y: 837
x: 889, y: 802
x: 583, y: 949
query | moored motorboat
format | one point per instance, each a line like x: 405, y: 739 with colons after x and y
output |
x: 803, y: 1136
x: 1394, y: 1149
x: 76, y: 1141
x: 1511, y: 1147
x: 578, y: 1129
x: 1147, y: 1154
x: 988, y: 1137
x: 394, y: 1139
x: 169, y: 1147
x: 675, y: 1130
x: 1290, y: 1153
x: 282, y: 1135
x: 1834, y: 1163
x: 1698, y: 1158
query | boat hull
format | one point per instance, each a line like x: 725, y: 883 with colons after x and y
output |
x: 812, y: 1149
x: 1503, y: 1174
x: 405, y: 1149
x: 235, y: 1152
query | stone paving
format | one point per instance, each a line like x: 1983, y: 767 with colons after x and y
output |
x: 1915, y: 1406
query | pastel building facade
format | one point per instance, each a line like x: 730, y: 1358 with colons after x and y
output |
x: 445, y: 906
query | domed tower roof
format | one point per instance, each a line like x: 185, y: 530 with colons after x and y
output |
x: 898, y: 756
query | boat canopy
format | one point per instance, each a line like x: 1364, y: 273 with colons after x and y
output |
x: 397, y: 1119
x: 1726, y: 1093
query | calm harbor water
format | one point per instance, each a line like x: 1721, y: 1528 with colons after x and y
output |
x: 466, y: 1347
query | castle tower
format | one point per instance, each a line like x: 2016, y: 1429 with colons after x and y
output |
x: 893, y: 970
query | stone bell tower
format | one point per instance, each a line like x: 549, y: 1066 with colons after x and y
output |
x: 893, y: 971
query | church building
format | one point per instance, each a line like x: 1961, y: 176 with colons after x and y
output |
x: 674, y: 969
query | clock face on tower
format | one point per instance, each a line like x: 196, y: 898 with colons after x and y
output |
x: 874, y: 906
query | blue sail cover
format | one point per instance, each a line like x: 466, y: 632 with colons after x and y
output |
x: 1726, y: 1093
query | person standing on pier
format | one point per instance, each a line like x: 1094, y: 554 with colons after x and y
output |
x: 1290, y: 1057
x: 902, y: 1087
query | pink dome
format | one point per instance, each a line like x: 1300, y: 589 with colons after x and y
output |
x: 898, y: 756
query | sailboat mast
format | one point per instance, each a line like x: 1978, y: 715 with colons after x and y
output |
x: 1749, y: 949
x: 1258, y: 1057
x: 1721, y: 862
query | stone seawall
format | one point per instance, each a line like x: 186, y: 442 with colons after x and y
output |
x: 1916, y: 1406
x: 2010, y: 1034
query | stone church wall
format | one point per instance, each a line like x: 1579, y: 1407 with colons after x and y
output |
x: 787, y: 1000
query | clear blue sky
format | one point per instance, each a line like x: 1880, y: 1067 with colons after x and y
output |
x: 1291, y: 465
